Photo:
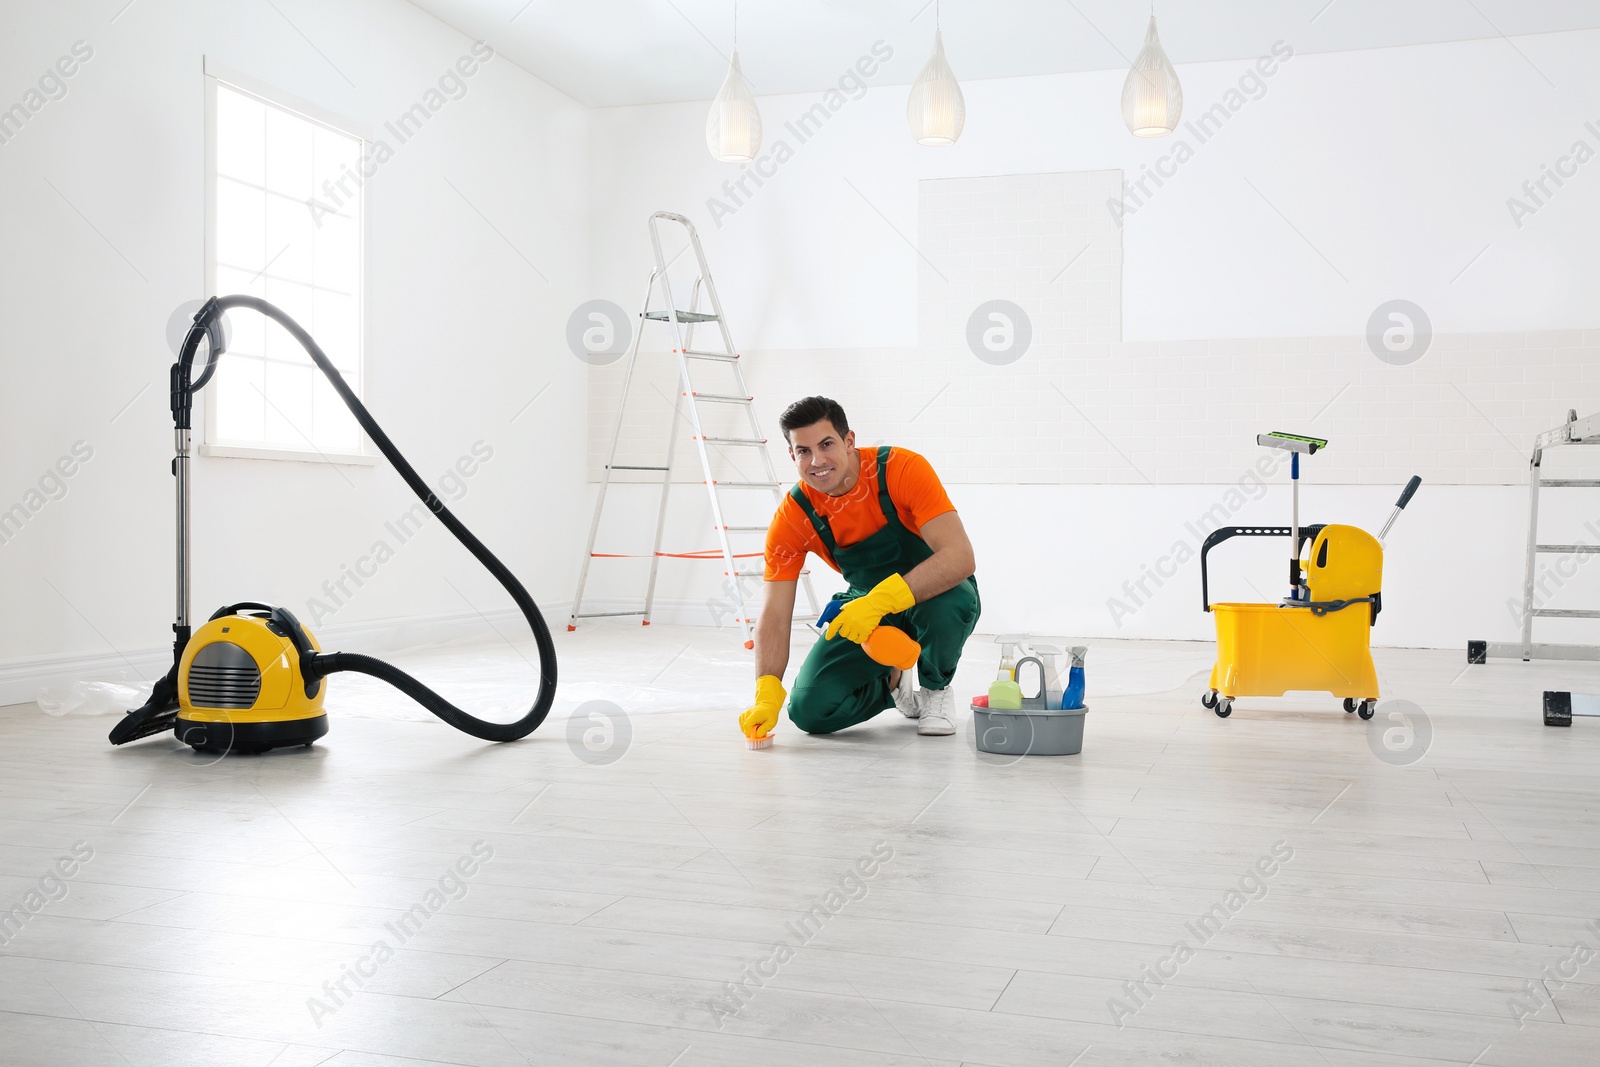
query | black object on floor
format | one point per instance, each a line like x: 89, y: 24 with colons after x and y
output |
x: 1557, y: 708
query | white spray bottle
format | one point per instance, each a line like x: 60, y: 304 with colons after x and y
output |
x: 1008, y: 664
x: 1053, y: 689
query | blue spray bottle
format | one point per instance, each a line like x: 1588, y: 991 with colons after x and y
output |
x: 1073, y: 698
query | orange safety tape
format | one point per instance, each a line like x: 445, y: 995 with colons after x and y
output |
x: 709, y: 553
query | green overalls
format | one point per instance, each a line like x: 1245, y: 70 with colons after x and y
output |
x: 839, y: 685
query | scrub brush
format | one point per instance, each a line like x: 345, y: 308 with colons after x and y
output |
x: 764, y: 741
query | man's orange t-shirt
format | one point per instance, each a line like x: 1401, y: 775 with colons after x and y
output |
x: 917, y: 493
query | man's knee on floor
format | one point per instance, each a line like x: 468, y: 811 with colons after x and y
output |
x: 808, y: 713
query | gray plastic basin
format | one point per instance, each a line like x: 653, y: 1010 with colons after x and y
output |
x: 1029, y: 732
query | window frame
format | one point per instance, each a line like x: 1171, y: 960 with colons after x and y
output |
x: 215, y: 74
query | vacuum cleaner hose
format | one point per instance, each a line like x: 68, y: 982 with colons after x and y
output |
x: 332, y: 662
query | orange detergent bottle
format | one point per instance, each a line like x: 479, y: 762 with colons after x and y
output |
x: 892, y: 647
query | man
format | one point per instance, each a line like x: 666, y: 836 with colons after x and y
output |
x: 881, y: 518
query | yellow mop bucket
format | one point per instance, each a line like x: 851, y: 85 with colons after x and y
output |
x: 1319, y: 637
x: 1264, y: 650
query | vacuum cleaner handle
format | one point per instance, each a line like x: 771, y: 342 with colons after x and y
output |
x: 1400, y: 505
x: 284, y: 620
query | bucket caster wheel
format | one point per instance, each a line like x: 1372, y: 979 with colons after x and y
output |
x: 1208, y: 699
x: 1224, y: 708
x: 1366, y: 708
x: 1349, y: 704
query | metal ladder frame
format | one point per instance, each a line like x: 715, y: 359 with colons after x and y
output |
x: 1574, y: 431
x: 683, y: 323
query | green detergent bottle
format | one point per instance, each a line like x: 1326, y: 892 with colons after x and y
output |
x: 1005, y: 695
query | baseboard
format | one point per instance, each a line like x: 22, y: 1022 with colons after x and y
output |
x: 423, y: 631
x: 22, y: 679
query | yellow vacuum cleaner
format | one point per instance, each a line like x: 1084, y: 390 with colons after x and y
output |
x: 252, y: 678
x: 1318, y: 637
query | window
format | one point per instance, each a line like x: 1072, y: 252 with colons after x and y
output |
x: 285, y: 224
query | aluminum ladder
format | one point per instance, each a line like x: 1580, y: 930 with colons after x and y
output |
x: 660, y: 305
x: 1574, y: 431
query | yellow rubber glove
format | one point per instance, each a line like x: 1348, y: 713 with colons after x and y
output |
x: 757, y: 722
x: 858, y: 618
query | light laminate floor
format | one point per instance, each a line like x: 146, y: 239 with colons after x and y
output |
x: 1008, y: 908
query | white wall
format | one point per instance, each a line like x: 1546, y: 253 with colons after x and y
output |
x: 1394, y: 166
x: 1247, y: 282
x: 103, y: 237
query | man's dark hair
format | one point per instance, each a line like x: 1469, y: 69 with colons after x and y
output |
x: 807, y: 410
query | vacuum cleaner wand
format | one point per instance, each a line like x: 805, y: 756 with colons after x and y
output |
x: 159, y: 713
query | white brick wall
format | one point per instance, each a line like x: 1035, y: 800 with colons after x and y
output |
x: 1169, y: 413
x: 1083, y: 406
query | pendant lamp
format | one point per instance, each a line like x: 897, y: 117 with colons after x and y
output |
x: 1152, y: 99
x: 733, y: 128
x: 936, y: 111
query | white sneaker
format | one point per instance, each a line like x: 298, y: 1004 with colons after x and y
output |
x: 938, y: 713
x: 907, y: 699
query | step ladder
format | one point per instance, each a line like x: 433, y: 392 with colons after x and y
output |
x: 662, y: 306
x: 1574, y: 431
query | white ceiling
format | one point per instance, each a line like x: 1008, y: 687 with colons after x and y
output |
x: 607, y: 53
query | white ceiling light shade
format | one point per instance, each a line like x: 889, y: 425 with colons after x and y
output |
x: 1152, y: 99
x: 733, y: 128
x: 936, y: 110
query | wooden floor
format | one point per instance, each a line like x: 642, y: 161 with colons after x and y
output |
x: 884, y: 899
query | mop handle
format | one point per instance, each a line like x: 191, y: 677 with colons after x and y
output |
x: 1400, y: 505
x: 1294, y: 528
